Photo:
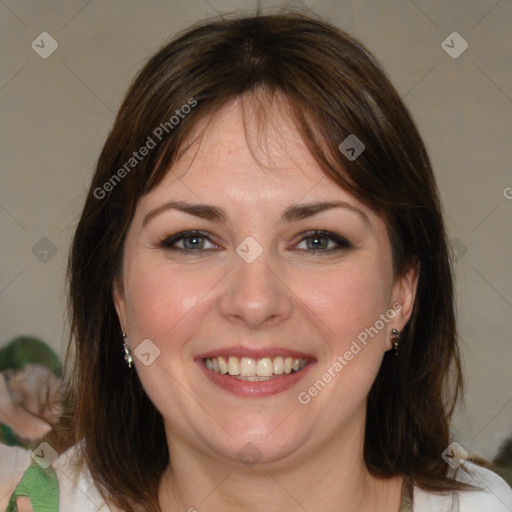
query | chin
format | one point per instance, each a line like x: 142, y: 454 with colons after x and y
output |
x: 257, y: 439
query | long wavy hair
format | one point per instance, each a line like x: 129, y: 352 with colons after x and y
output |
x: 334, y: 88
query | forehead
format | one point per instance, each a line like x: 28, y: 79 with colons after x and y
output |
x: 250, y: 148
x: 245, y: 136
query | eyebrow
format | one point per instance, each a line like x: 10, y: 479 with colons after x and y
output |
x: 293, y: 213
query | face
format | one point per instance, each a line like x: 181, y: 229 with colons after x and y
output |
x: 256, y: 317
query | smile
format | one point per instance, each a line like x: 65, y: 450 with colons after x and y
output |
x: 246, y: 372
x: 250, y: 369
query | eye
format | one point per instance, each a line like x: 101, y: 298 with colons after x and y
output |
x: 195, y: 241
x: 323, y: 241
x: 188, y: 242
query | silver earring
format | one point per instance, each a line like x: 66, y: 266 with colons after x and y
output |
x: 127, y: 354
x: 396, y: 336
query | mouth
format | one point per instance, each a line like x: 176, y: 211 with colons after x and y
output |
x: 254, y: 370
x: 251, y: 373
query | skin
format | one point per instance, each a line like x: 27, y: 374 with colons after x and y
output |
x: 317, y: 303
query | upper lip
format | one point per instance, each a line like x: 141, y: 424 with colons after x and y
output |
x: 240, y: 351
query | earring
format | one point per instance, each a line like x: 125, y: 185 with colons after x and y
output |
x: 396, y: 336
x: 127, y: 354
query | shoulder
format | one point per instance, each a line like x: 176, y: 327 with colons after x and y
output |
x: 494, y: 494
x: 76, y: 488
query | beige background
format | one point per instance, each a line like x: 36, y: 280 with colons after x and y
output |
x: 57, y: 111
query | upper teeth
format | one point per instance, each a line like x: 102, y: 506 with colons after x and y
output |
x: 248, y: 367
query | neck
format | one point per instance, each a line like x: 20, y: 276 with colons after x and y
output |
x: 330, y: 477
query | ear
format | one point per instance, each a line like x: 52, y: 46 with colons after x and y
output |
x: 403, y: 296
x: 119, y: 302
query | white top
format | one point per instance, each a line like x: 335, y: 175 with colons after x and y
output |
x: 78, y: 492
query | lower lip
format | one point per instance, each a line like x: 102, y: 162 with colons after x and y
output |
x: 256, y: 388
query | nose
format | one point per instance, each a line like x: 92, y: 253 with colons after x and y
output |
x: 256, y: 294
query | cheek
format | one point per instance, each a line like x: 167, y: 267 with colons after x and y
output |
x: 350, y: 302
x: 347, y: 300
x: 156, y: 300
x: 165, y: 303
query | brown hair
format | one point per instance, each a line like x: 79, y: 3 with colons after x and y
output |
x: 334, y: 88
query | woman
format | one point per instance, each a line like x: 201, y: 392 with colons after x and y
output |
x: 261, y: 292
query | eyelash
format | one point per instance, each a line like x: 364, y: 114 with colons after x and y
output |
x: 170, y: 241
